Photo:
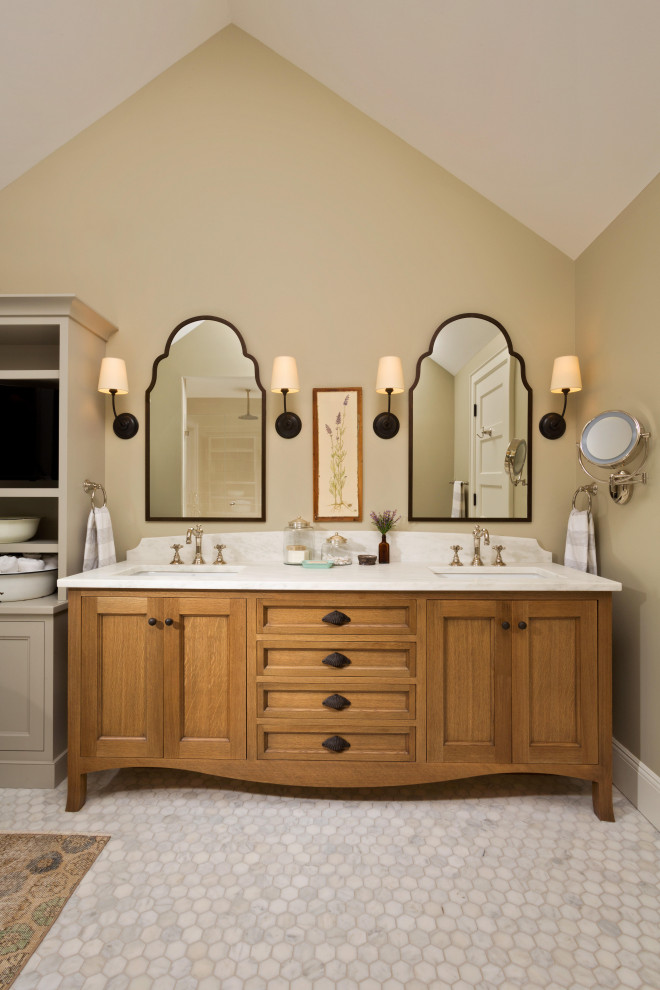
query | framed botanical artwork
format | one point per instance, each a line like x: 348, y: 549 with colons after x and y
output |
x: 337, y: 454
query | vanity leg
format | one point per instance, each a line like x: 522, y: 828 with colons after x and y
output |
x: 76, y: 791
x: 601, y: 794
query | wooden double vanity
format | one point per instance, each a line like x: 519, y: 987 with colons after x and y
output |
x: 340, y: 687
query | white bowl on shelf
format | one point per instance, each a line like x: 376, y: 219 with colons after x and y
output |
x: 20, y: 586
x: 17, y: 529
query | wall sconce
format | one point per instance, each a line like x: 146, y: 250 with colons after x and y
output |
x: 284, y: 379
x: 389, y: 379
x: 113, y: 381
x: 565, y: 378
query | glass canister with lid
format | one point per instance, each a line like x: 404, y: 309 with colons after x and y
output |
x: 334, y: 549
x: 298, y: 541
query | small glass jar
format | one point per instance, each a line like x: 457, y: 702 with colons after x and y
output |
x: 298, y: 541
x: 334, y: 550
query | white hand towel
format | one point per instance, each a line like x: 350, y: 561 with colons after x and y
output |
x: 50, y: 560
x: 8, y: 565
x: 457, y: 504
x: 580, y: 551
x: 30, y: 564
x: 99, y: 542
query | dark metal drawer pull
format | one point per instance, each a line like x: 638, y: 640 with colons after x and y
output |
x: 336, y: 660
x: 506, y: 625
x: 522, y: 625
x: 336, y: 618
x: 336, y: 701
x: 169, y: 622
x: 336, y: 744
x: 152, y: 622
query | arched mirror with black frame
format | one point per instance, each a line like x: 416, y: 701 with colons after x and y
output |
x: 470, y: 407
x: 205, y: 427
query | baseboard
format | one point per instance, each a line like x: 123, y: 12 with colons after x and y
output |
x: 637, y: 782
x: 25, y: 773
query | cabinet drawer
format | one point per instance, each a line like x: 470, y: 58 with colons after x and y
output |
x: 305, y: 618
x: 305, y: 742
x: 366, y: 659
x: 346, y: 700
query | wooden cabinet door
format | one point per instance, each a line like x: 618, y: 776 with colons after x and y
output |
x: 555, y: 682
x: 469, y: 682
x: 122, y: 677
x: 204, y: 653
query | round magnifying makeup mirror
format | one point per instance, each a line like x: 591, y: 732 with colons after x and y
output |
x: 514, y: 460
x: 610, y: 438
x: 614, y: 439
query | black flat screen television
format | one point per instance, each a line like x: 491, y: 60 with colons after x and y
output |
x: 29, y: 428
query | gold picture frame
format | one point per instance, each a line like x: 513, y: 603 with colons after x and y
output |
x: 337, y: 454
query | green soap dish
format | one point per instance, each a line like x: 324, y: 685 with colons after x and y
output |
x: 317, y: 563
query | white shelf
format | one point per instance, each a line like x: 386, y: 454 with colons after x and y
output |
x: 47, y: 374
x: 29, y: 546
x: 34, y: 606
x: 29, y: 492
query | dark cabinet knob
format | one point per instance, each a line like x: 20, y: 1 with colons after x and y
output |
x: 522, y: 625
x: 336, y: 660
x: 168, y: 622
x: 336, y: 701
x: 336, y: 744
x: 506, y: 625
x: 336, y: 618
x: 152, y: 622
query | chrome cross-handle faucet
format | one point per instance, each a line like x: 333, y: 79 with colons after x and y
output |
x: 479, y: 532
x: 198, y: 533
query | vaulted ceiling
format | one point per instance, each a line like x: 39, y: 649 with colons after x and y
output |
x: 549, y: 108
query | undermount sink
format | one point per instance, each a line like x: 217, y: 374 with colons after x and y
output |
x: 470, y: 573
x: 172, y: 572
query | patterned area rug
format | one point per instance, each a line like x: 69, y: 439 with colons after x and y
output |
x: 38, y: 874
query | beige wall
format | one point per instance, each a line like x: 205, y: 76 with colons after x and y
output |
x: 433, y: 441
x: 236, y: 185
x: 618, y: 311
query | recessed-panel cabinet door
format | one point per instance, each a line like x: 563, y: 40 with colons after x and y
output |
x: 22, y: 685
x: 555, y: 686
x: 122, y: 677
x: 204, y: 651
x: 469, y: 682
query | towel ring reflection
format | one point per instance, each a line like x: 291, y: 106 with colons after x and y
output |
x: 91, y: 488
x: 588, y: 490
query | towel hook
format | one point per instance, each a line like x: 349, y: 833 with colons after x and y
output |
x: 588, y: 490
x: 91, y: 488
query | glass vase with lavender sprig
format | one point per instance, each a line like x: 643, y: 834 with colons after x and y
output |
x: 384, y: 522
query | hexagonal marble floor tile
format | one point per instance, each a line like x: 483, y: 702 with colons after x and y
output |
x: 492, y: 883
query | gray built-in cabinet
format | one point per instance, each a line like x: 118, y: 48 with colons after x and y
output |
x: 54, y: 339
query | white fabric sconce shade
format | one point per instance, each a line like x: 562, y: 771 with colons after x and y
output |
x: 285, y: 375
x: 284, y: 379
x: 113, y: 376
x: 565, y: 379
x: 566, y: 374
x: 389, y: 380
x: 389, y: 376
x: 113, y: 381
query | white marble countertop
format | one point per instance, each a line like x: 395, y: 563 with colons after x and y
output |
x: 432, y: 576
